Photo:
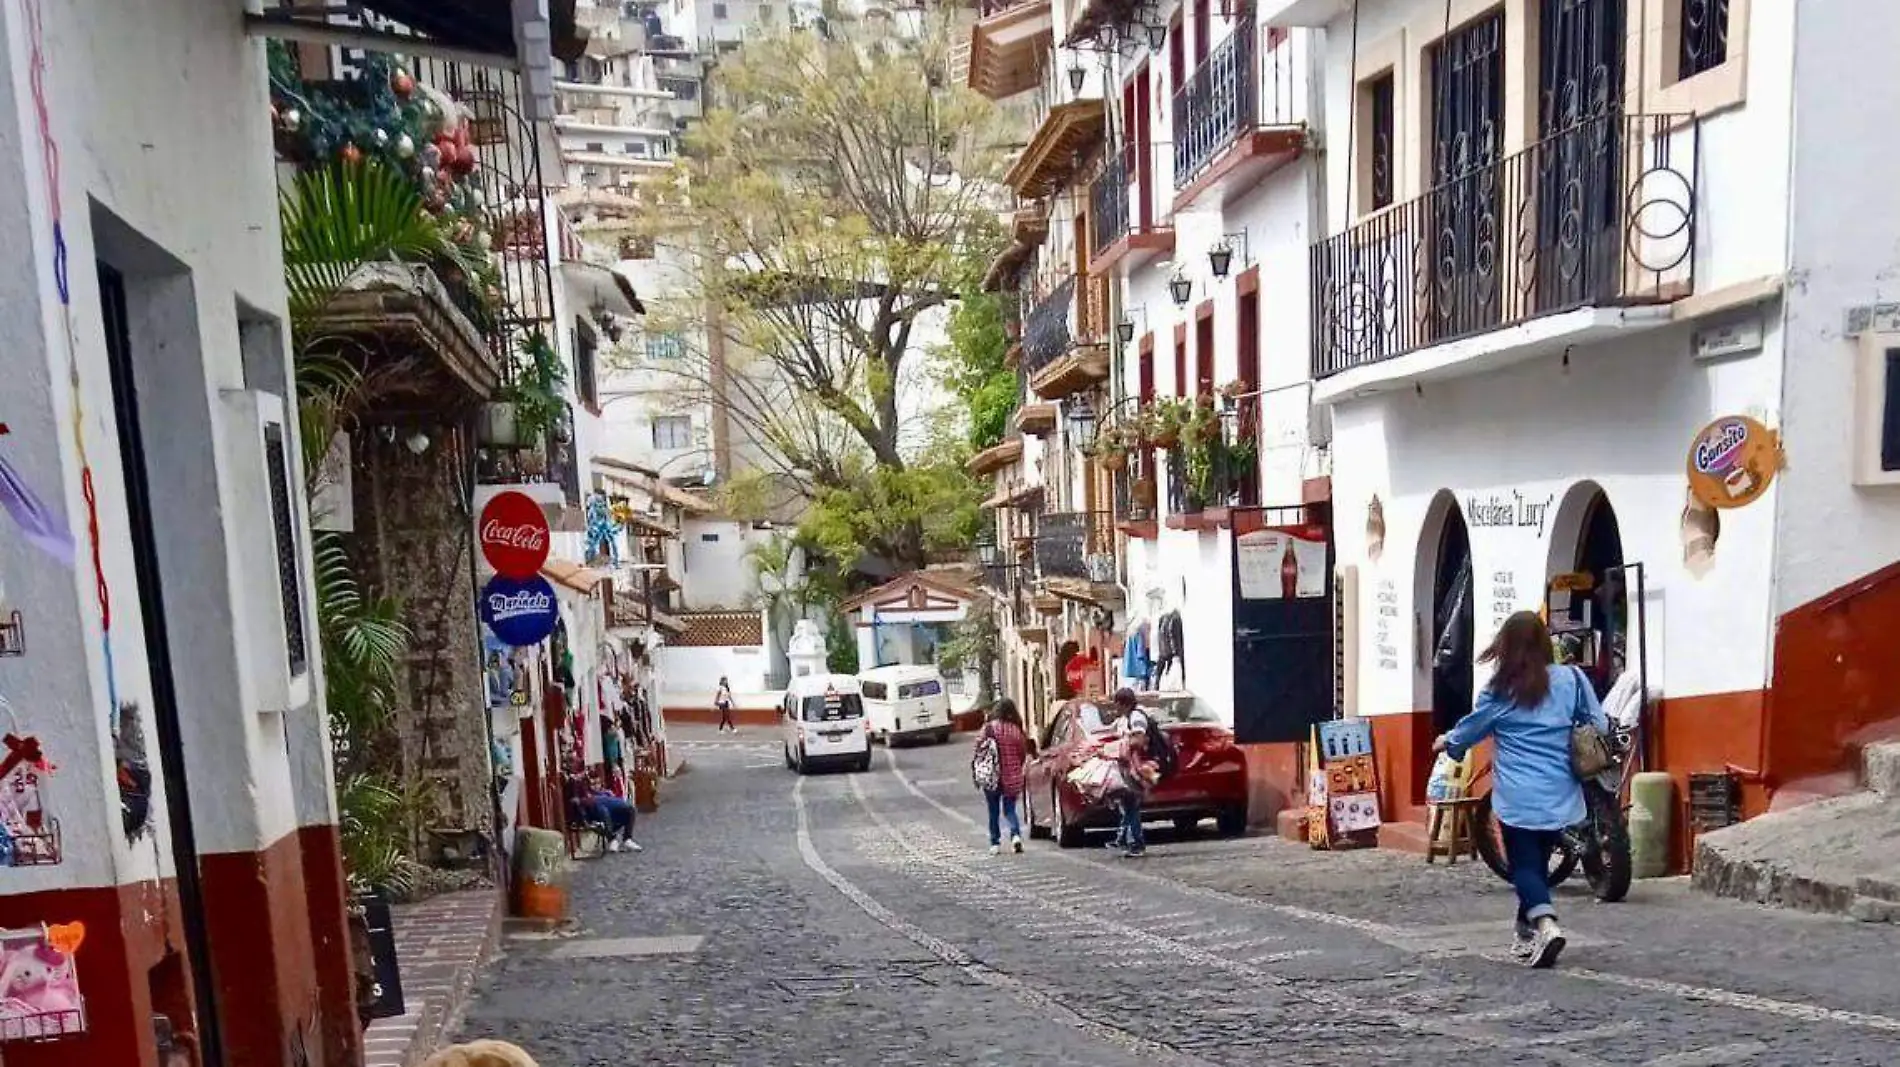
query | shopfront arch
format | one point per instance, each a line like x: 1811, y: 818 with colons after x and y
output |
x: 1445, y: 603
x: 1587, y: 539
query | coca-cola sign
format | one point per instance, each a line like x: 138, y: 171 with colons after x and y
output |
x: 513, y: 534
x: 520, y: 611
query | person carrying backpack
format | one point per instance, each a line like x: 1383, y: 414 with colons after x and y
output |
x: 1139, y: 747
x: 996, y: 768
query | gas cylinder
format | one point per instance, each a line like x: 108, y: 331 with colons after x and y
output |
x: 1652, y: 802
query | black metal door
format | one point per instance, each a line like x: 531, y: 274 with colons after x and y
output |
x: 1467, y: 143
x: 1579, y: 125
x: 1283, y: 652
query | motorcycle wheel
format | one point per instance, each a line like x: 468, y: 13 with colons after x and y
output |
x: 1606, y: 859
x: 1563, y: 859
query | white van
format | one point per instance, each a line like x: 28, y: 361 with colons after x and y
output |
x: 823, y: 722
x: 906, y: 702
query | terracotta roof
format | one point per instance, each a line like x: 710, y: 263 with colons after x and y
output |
x: 721, y: 629
x: 947, y: 583
x: 581, y: 579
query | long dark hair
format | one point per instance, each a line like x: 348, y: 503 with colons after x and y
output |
x: 1522, y: 656
x: 1005, y: 711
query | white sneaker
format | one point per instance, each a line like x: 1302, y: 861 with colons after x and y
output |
x: 631, y: 845
x: 1016, y: 844
x: 613, y: 846
x: 1523, y: 944
x: 996, y: 850
x: 1548, y: 945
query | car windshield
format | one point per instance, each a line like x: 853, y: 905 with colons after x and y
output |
x: 832, y: 706
x: 1184, y: 710
x: 919, y: 689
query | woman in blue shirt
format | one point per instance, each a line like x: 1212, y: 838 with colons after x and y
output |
x: 1529, y: 706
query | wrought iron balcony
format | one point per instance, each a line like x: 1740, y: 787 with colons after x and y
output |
x: 1076, y: 544
x: 1206, y: 479
x: 1235, y: 92
x: 1046, y: 330
x: 1108, y: 197
x: 1599, y: 215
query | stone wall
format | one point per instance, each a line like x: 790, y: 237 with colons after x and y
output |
x: 413, y: 536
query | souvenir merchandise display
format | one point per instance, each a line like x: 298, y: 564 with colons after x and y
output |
x: 29, y: 833
x: 39, y: 983
x: 1342, y: 784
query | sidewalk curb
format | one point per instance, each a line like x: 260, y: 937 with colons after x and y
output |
x: 442, y: 945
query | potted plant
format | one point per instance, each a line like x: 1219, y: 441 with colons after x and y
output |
x: 1232, y: 391
x: 1166, y: 420
x: 529, y: 407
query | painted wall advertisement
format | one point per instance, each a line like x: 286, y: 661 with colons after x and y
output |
x: 1282, y: 563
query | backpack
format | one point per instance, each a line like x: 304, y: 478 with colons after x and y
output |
x: 1161, y: 750
x: 986, y: 766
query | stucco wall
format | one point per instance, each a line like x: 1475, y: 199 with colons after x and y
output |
x: 1843, y: 254
x: 690, y: 674
x: 141, y: 104
x: 1622, y: 417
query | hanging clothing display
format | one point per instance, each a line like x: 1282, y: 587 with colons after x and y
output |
x: 1169, y: 649
x: 1136, y: 666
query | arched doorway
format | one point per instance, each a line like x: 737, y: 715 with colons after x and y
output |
x: 1454, y: 620
x: 1588, y: 539
x: 1444, y: 593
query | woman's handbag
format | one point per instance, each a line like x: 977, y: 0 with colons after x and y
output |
x: 1589, y: 749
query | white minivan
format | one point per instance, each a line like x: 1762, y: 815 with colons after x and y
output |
x: 824, y: 723
x: 906, y: 702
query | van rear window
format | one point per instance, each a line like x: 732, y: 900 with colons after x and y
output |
x: 919, y: 689
x: 834, y: 706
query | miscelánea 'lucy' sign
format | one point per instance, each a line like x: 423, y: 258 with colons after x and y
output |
x: 514, y: 536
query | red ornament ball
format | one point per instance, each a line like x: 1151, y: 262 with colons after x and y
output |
x: 352, y: 154
x: 402, y: 83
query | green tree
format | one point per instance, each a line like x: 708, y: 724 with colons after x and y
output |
x: 975, y: 644
x: 823, y: 216
x: 973, y: 367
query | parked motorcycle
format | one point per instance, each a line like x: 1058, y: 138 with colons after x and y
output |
x: 1600, y: 844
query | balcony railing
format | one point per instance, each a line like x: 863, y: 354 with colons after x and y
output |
x: 1076, y: 544
x: 1108, y: 197
x: 1236, y: 89
x: 1205, y: 478
x: 1599, y: 215
x: 1135, y: 489
x: 1046, y: 330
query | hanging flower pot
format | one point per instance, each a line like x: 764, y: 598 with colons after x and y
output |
x: 499, y: 426
x: 1111, y: 460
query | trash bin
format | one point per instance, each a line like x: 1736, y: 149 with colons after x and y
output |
x: 540, y: 874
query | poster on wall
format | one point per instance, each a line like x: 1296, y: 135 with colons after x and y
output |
x: 1282, y: 563
x: 39, y: 983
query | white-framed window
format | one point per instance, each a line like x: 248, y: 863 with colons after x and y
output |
x: 672, y: 432
x: 1877, y: 410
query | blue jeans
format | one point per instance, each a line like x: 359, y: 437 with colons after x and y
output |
x: 1529, y: 853
x: 1004, y: 805
x: 1131, y: 836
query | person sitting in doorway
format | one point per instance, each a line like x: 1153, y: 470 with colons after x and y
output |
x: 597, y: 805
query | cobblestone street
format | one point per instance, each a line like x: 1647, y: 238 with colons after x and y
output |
x: 857, y: 919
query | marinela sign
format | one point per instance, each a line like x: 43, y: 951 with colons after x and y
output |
x: 520, y: 611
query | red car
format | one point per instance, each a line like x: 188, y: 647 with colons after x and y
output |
x: 1210, y: 781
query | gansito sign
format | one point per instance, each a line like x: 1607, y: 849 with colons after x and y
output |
x: 520, y: 611
x: 514, y: 536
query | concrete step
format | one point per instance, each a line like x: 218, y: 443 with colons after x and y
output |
x: 1838, y: 856
x: 1880, y: 767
